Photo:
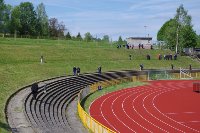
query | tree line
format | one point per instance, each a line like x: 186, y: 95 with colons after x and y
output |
x: 178, y: 32
x: 25, y: 20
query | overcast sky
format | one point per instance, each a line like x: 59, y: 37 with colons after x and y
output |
x: 127, y: 18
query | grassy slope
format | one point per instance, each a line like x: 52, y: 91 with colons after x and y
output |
x: 20, y: 62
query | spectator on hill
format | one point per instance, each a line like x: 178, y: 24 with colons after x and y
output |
x: 170, y: 56
x: 99, y: 69
x: 175, y: 56
x: 172, y: 66
x: 141, y: 67
x: 78, y: 70
x: 130, y: 57
x: 142, y: 46
x: 74, y: 70
x: 148, y: 57
x: 34, y: 90
x: 41, y: 59
x: 190, y: 67
x: 151, y: 46
x: 139, y: 46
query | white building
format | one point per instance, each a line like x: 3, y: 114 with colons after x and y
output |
x: 135, y: 41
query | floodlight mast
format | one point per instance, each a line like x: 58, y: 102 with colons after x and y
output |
x: 145, y: 27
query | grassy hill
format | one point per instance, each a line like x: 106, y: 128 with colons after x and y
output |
x: 20, y: 62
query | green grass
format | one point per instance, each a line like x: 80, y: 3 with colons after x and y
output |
x: 20, y: 62
x: 96, y: 94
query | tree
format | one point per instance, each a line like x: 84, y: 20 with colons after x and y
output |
x: 78, y: 37
x: 188, y: 37
x: 68, y: 36
x: 53, y: 25
x: 15, y: 20
x: 42, y: 20
x: 183, y: 19
x: 2, y: 8
x: 61, y: 29
x: 178, y: 32
x: 7, y: 18
x: 105, y: 38
x: 167, y: 33
x: 27, y: 18
x: 88, y: 37
x: 198, y: 41
x: 120, y: 41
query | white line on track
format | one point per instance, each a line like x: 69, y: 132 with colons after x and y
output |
x: 155, y: 116
x: 166, y: 115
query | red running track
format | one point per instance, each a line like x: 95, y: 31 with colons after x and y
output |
x: 161, y: 106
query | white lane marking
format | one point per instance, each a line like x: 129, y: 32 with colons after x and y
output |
x: 166, y: 115
x: 114, y: 93
x: 157, y: 117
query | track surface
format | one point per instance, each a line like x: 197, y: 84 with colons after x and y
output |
x: 160, y: 106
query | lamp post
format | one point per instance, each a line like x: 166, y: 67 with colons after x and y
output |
x: 145, y: 27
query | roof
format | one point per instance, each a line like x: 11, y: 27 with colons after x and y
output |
x: 141, y: 38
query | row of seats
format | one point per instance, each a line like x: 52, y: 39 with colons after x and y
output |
x: 48, y: 113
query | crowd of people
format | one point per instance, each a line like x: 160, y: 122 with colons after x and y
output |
x: 127, y: 46
x: 165, y: 57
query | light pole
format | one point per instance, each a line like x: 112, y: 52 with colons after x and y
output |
x: 145, y: 27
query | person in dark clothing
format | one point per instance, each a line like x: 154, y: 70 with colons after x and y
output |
x: 148, y: 57
x: 139, y: 46
x: 190, y: 67
x: 151, y: 46
x: 78, y: 70
x: 172, y: 66
x: 175, y: 57
x: 74, y: 70
x: 99, y: 69
x: 130, y: 56
x: 141, y: 67
x: 142, y: 46
x: 34, y: 90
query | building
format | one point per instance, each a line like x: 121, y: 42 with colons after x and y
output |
x: 135, y: 41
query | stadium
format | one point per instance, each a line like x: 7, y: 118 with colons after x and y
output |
x: 116, y: 67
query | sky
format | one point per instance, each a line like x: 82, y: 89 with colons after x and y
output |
x: 126, y: 18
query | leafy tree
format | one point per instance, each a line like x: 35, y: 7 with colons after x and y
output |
x: 120, y: 41
x: 15, y: 20
x: 53, y: 25
x: 61, y: 29
x: 178, y: 32
x: 167, y: 33
x: 2, y: 7
x: 88, y: 37
x: 27, y: 18
x: 42, y: 20
x: 198, y: 41
x: 56, y: 29
x: 188, y: 37
x: 7, y: 18
x: 78, y: 37
x: 68, y: 36
x: 105, y: 38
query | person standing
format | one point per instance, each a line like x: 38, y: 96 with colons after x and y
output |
x: 74, y: 70
x: 78, y: 70
x: 130, y: 56
x: 34, y: 90
x: 41, y: 59
x: 172, y: 66
x: 99, y: 69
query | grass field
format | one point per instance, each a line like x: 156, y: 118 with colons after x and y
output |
x: 20, y: 62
